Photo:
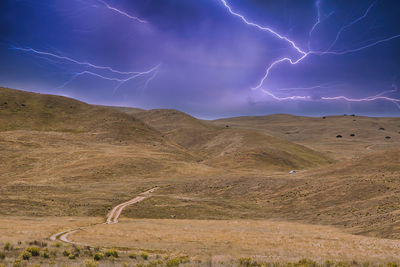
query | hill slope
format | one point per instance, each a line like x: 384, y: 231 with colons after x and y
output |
x: 229, y: 147
x: 320, y: 133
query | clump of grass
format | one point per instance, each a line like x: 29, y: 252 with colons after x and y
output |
x: 176, y: 261
x: 35, y: 251
x: 112, y: 253
x: 58, y: 245
x: 46, y: 254
x: 247, y: 262
x: 132, y: 256
x: 53, y: 253
x: 8, y: 246
x: 38, y: 243
x: 17, y: 263
x: 2, y: 255
x: 71, y: 256
x: 90, y: 263
x: 144, y: 255
x: 77, y: 251
x: 66, y: 253
x: 98, y: 256
x: 25, y: 255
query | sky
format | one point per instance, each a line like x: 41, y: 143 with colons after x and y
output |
x: 209, y: 58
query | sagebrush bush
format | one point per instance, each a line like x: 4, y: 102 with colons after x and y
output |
x: 144, y: 255
x: 98, y: 256
x: 26, y: 255
x: 35, y: 251
x: 111, y: 253
x: 66, y: 253
x: 176, y: 261
x: 7, y: 246
x: 90, y: 263
x: 2, y: 255
x: 132, y: 256
x: 45, y: 254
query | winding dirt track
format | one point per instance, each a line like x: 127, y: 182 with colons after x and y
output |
x: 112, y: 216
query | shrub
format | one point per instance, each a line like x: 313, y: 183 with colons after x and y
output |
x: 392, y: 264
x: 245, y: 262
x: 38, y: 243
x: 58, y: 245
x: 2, y: 255
x: 35, y: 251
x: 90, y: 263
x: 173, y: 262
x: 98, y: 256
x: 45, y: 254
x: 112, y: 253
x: 71, y: 256
x: 132, y: 255
x: 17, y: 263
x: 176, y: 261
x: 7, y: 246
x: 26, y: 255
x: 66, y: 253
x: 144, y: 255
x: 53, y: 253
x: 77, y: 251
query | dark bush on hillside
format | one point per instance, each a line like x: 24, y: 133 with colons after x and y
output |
x: 339, y: 136
x: 35, y: 251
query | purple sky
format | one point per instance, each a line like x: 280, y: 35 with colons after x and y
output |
x: 208, y: 57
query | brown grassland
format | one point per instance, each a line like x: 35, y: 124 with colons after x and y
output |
x: 225, y: 194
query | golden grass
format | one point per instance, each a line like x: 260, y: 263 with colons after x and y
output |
x: 266, y: 241
x: 27, y: 229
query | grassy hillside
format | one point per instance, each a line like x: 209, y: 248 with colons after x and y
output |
x: 228, y: 147
x: 64, y: 157
x: 29, y: 111
x: 320, y: 133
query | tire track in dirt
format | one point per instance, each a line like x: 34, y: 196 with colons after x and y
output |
x: 112, y: 217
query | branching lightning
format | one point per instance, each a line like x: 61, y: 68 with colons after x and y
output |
x: 122, y: 12
x: 344, y: 28
x: 130, y: 74
x: 114, y: 75
x: 304, y: 54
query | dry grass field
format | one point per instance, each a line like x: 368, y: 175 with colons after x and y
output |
x: 224, y: 185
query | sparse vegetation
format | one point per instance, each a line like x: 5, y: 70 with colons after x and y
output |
x: 111, y: 253
x: 144, y: 255
x: 132, y: 256
x: 7, y: 246
x: 26, y: 255
x: 35, y: 251
x: 90, y: 263
x: 98, y: 256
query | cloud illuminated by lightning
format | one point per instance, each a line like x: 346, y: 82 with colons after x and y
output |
x: 304, y: 54
x: 122, y: 12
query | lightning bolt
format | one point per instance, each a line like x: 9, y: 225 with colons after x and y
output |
x: 122, y: 12
x: 304, y: 54
x: 120, y: 81
x: 344, y: 28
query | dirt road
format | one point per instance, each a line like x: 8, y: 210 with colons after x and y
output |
x: 112, y: 216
